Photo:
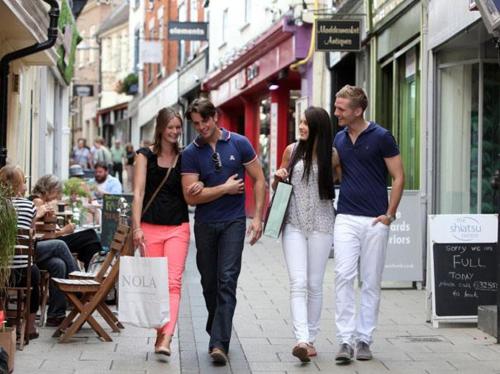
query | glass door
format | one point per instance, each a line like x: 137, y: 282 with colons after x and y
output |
x: 490, y: 139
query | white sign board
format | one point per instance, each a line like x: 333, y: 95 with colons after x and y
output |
x: 463, y: 262
x: 403, y: 262
x: 151, y: 52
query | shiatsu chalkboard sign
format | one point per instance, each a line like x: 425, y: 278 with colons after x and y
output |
x: 463, y: 262
x: 464, y: 277
x: 111, y: 217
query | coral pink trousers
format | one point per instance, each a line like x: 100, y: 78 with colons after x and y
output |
x: 171, y: 242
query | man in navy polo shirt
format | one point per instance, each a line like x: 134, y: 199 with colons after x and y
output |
x: 368, y: 153
x: 219, y: 159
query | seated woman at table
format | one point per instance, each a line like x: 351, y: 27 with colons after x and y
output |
x: 85, y: 243
x: 51, y: 255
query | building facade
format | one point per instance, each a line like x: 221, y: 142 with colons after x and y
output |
x: 87, y: 70
x: 112, y: 113
x: 462, y: 110
x: 38, y: 132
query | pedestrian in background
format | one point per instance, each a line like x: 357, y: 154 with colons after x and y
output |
x: 368, y: 153
x: 159, y: 212
x: 102, y: 153
x: 81, y: 154
x: 308, y: 232
x: 117, y: 156
x: 105, y: 183
x: 219, y: 159
x: 129, y: 166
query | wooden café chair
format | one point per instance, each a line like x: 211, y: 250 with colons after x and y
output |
x: 19, y: 296
x: 89, y: 295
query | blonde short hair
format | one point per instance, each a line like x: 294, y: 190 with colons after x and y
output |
x: 356, y: 94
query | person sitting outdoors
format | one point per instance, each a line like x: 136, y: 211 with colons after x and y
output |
x: 85, y: 243
x: 51, y: 255
x: 105, y: 183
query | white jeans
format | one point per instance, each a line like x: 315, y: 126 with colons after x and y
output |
x: 306, y: 257
x: 357, y: 239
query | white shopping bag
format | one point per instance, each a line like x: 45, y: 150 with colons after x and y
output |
x: 143, y: 293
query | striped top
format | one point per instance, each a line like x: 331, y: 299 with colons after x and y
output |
x: 26, y: 212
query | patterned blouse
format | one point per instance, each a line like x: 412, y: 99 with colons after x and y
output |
x: 306, y: 210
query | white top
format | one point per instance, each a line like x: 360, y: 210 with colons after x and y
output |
x: 306, y: 210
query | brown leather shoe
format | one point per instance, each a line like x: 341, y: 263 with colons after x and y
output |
x: 300, y: 351
x: 218, y: 355
x: 162, y: 345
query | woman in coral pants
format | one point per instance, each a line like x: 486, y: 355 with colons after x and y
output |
x: 160, y: 214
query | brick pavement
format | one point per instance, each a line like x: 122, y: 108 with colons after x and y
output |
x: 262, y: 337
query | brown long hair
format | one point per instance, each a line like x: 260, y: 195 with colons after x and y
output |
x: 11, y: 179
x: 163, y: 118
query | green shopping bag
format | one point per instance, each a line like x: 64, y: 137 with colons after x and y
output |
x: 275, y: 216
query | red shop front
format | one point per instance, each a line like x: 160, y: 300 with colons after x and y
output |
x: 256, y: 93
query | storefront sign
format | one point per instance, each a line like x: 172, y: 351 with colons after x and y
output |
x: 252, y: 72
x: 335, y: 35
x: 240, y: 80
x: 83, y: 90
x: 382, y: 9
x: 404, y: 250
x: 187, y: 30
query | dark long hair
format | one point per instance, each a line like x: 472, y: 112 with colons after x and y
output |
x: 163, y: 118
x: 320, y: 132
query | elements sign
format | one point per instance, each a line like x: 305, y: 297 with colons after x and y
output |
x: 338, y: 35
x: 187, y: 30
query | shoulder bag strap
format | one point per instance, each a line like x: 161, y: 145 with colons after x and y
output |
x: 159, y: 187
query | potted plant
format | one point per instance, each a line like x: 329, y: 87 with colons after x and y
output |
x: 8, y: 233
x: 76, y: 189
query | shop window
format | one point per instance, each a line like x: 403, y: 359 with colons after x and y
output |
x: 490, y: 194
x: 458, y: 133
x: 398, y: 108
x: 264, y: 140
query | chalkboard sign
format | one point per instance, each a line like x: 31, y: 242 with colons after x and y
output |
x: 464, y: 277
x: 111, y: 217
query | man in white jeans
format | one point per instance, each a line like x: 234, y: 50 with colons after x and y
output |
x: 368, y: 153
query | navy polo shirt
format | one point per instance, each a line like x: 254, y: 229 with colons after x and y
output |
x: 363, y: 188
x: 235, y: 152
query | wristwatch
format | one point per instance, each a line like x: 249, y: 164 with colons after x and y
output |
x: 391, y: 218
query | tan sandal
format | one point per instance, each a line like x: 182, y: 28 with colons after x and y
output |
x: 311, y: 351
x: 162, y: 344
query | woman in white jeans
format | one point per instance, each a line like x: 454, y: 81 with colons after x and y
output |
x: 308, y: 232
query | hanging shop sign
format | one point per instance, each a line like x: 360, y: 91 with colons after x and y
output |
x: 335, y: 35
x: 83, y: 90
x: 187, y: 30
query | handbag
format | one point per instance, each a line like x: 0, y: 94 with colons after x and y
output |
x: 143, y: 291
x: 275, y: 214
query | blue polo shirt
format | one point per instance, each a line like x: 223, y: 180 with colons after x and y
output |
x: 363, y: 188
x: 235, y: 152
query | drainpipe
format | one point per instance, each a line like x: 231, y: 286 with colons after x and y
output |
x: 4, y: 72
